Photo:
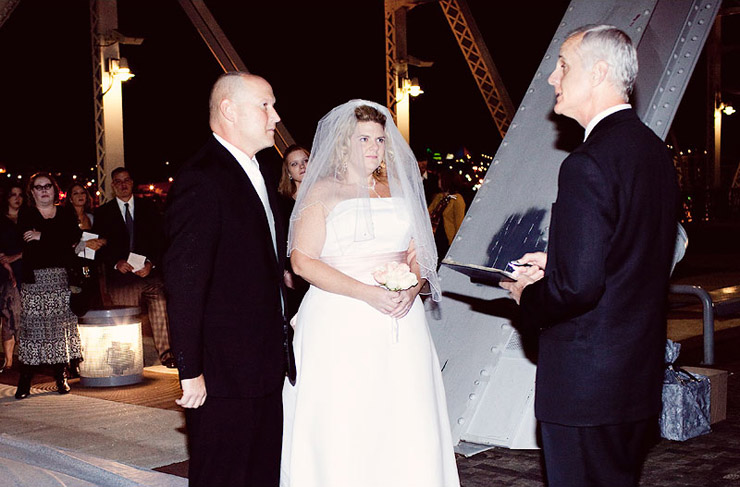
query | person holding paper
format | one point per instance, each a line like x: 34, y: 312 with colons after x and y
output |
x: 600, y: 306
x: 133, y: 228
x: 80, y: 202
x: 84, y: 275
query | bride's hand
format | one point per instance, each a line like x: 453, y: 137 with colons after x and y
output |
x: 382, y: 299
x: 405, y: 302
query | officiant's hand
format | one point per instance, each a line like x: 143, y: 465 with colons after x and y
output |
x: 526, y: 275
x: 538, y: 259
x: 193, y: 392
x: 124, y: 267
x: 146, y: 270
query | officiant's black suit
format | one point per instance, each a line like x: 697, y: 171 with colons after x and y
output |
x: 223, y: 281
x: 601, y: 307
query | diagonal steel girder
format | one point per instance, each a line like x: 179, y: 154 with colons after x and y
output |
x: 225, y: 54
x: 6, y: 9
x: 479, y: 61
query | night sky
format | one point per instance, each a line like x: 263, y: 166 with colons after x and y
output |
x: 316, y: 55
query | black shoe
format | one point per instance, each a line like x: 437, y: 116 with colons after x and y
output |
x: 60, y: 375
x: 2, y: 369
x: 24, y: 382
x: 63, y: 386
x: 169, y: 362
x: 73, y: 369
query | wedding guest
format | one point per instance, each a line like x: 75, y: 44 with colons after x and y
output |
x: 79, y: 200
x: 600, y: 306
x: 429, y: 179
x: 448, y: 208
x: 84, y: 272
x: 368, y: 374
x: 48, y: 333
x: 295, y: 160
x: 131, y: 224
x: 11, y: 253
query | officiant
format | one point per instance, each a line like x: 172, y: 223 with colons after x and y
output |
x: 133, y: 228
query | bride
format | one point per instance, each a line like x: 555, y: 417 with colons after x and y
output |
x: 368, y: 406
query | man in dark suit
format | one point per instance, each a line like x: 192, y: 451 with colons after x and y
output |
x: 430, y: 181
x: 132, y: 224
x: 600, y: 307
x: 223, y: 274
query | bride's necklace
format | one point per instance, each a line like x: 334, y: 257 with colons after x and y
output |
x: 371, y: 187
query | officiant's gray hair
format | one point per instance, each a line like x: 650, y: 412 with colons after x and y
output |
x: 609, y: 44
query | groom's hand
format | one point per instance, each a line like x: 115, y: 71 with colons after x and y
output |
x: 193, y: 392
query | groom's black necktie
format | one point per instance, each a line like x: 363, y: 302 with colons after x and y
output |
x: 130, y: 227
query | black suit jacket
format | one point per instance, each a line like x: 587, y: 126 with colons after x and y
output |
x: 601, y: 305
x: 222, y: 277
x: 431, y: 186
x: 148, y: 235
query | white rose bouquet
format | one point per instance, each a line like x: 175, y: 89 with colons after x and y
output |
x: 395, y: 276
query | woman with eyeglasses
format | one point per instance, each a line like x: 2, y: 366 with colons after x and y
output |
x: 295, y: 160
x: 48, y: 332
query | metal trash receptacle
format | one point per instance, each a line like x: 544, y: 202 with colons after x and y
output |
x: 112, y: 347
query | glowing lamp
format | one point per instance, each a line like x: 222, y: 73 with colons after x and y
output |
x: 111, y: 347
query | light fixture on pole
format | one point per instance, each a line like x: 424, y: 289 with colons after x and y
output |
x: 409, y: 87
x: 726, y: 108
x: 405, y: 89
x: 118, y: 69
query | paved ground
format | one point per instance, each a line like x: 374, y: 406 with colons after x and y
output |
x: 712, y: 460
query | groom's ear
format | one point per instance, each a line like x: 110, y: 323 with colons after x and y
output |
x: 226, y: 108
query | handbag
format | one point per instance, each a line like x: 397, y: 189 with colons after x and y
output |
x: 82, y: 286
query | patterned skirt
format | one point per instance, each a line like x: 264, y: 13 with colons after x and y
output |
x: 48, y: 333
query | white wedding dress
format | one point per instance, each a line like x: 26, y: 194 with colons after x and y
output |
x: 368, y: 408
